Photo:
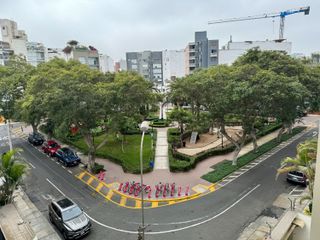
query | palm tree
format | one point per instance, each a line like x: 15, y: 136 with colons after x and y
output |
x: 11, y: 171
x: 303, y: 162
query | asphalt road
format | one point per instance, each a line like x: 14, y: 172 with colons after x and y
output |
x: 220, y: 215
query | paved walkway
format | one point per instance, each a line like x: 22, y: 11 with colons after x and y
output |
x: 22, y: 220
x: 161, y: 157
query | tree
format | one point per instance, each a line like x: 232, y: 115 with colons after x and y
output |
x: 304, y: 162
x: 11, y: 170
x: 13, y: 81
x: 182, y: 117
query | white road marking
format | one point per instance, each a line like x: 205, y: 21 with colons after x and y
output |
x: 31, y: 165
x: 293, y: 190
x: 177, y: 229
x: 70, y: 171
x: 55, y: 187
x: 171, y: 223
x: 64, y: 167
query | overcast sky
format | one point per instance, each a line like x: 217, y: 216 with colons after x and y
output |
x: 118, y: 26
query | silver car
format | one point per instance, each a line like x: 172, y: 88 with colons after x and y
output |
x: 69, y: 218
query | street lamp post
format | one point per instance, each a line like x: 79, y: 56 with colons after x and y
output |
x: 143, y: 127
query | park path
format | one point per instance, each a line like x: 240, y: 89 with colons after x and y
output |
x: 161, y: 160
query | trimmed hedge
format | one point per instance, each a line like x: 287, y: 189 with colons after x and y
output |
x: 225, y: 167
x: 189, y: 162
x: 159, y: 123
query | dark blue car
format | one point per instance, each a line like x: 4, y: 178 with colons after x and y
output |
x: 67, y: 157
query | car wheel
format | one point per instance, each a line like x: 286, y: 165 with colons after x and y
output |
x: 65, y: 236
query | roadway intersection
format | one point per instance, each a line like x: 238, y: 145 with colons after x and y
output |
x: 222, y: 214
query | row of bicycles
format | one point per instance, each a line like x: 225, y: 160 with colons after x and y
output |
x: 162, y: 190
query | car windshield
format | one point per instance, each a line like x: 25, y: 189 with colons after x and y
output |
x: 71, y: 213
x: 53, y: 145
x: 68, y: 152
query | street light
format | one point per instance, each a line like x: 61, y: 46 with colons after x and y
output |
x: 143, y: 127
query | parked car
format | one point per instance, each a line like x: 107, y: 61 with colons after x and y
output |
x: 67, y: 157
x: 35, y: 139
x: 297, y: 177
x: 50, y: 147
x: 69, y: 218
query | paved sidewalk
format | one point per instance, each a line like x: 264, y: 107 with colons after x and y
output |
x: 22, y: 220
x: 161, y: 157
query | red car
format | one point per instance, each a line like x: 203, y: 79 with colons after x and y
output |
x: 50, y: 147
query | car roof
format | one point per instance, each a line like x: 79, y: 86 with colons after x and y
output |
x: 51, y: 142
x: 65, y: 203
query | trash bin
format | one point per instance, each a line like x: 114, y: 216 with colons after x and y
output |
x: 151, y: 164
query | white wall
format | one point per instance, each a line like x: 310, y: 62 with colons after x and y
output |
x: 19, y: 46
x: 229, y: 53
x: 106, y: 63
x: 173, y: 62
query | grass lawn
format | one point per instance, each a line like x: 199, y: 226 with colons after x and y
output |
x: 130, y: 158
x: 225, y: 167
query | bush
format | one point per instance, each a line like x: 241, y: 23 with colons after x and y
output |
x: 159, y: 123
x: 225, y: 167
x: 97, y: 168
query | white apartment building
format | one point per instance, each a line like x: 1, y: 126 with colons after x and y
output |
x: 106, y: 63
x: 173, y: 62
x: 230, y: 52
x: 17, y: 39
x: 36, y: 53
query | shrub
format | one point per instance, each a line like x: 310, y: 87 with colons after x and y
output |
x: 97, y: 168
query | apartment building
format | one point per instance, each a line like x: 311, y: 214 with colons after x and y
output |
x: 202, y: 53
x: 16, y: 38
x: 148, y: 64
x: 106, y: 63
x: 173, y: 62
x: 85, y: 55
x: 232, y: 50
x: 5, y: 52
x: 36, y: 53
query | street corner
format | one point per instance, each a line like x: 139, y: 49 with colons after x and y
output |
x: 127, y: 195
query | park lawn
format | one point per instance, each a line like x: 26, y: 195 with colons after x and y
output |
x: 130, y: 158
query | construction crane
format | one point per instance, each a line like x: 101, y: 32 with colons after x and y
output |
x: 282, y: 16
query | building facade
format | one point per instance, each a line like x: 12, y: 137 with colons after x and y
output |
x: 202, y: 53
x: 315, y: 58
x: 230, y: 52
x: 36, y: 53
x: 85, y: 55
x: 148, y: 64
x: 16, y: 38
x: 173, y: 62
x: 5, y: 52
x: 106, y: 63
x: 52, y: 53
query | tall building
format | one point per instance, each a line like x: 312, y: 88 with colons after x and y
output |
x: 148, y: 64
x: 315, y: 58
x: 17, y: 39
x: 173, y: 62
x: 5, y: 52
x: 230, y: 52
x: 106, y: 63
x: 35, y: 53
x: 201, y: 53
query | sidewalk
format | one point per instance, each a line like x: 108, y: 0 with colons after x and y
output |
x: 22, y: 220
x: 161, y: 161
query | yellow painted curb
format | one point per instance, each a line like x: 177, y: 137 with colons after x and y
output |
x: 109, y: 195
x: 90, y: 180
x: 123, y: 201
